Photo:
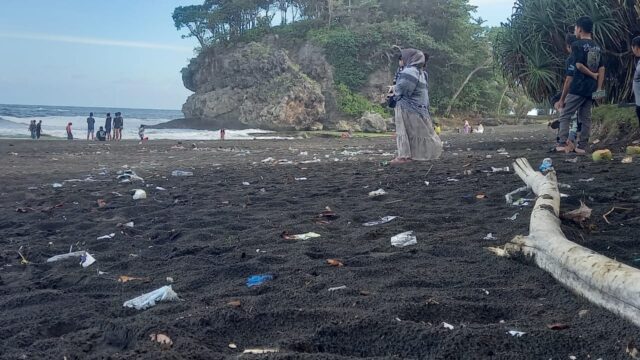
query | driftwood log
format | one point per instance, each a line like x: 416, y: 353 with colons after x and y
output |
x: 603, y: 281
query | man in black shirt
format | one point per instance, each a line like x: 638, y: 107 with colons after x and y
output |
x: 588, y: 78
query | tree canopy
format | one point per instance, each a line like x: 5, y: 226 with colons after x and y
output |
x: 530, y: 46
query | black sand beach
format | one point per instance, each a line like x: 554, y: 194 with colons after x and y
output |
x: 209, y: 233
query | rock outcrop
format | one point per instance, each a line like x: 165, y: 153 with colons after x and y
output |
x: 252, y: 86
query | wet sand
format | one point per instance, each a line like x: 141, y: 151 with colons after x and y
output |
x: 210, y: 232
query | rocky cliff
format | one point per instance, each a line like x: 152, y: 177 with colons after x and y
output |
x: 254, y: 85
x: 270, y: 86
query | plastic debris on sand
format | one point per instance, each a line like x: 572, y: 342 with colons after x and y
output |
x: 150, y: 299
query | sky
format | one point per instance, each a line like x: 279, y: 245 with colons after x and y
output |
x: 107, y: 53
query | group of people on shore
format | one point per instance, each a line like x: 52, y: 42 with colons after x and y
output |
x: 104, y: 133
x: 35, y: 129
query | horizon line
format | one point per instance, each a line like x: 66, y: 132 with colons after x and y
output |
x: 93, y: 41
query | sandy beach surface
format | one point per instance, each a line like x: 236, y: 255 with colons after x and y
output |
x: 206, y: 234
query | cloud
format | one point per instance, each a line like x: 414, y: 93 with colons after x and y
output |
x: 94, y: 41
x: 508, y: 3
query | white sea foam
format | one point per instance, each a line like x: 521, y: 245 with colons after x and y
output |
x: 55, y: 126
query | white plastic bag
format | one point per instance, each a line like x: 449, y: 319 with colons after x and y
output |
x: 148, y: 300
x: 381, y: 221
x: 404, y: 239
x: 85, y: 258
x: 139, y: 194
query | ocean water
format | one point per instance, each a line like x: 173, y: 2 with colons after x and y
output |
x: 15, y: 119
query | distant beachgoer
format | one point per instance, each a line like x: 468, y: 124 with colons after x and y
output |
x: 415, y: 136
x: 223, y: 132
x: 91, y: 126
x: 118, y: 124
x: 101, y: 135
x: 141, y: 134
x: 467, y: 127
x: 39, y: 129
x: 32, y: 129
x: 69, y: 133
x: 107, y: 126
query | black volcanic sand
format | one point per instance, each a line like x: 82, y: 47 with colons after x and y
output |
x: 210, y: 232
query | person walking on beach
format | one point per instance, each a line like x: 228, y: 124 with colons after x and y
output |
x: 32, y: 129
x: 415, y: 136
x: 101, y: 135
x: 39, y: 129
x: 69, y: 133
x: 107, y: 126
x: 586, y: 86
x: 91, y: 126
x: 635, y: 46
x: 569, y: 71
x: 118, y: 124
x: 223, y: 132
x: 141, y: 134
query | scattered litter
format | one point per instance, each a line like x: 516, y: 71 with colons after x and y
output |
x: 160, y: 188
x: 488, y: 156
x: 234, y: 303
x: 23, y: 260
x: 233, y: 346
x: 452, y: 180
x: 514, y: 217
x: 382, y: 221
x: 85, y: 258
x: 260, y: 351
x: 633, y: 150
x: 447, y: 326
x: 301, y: 179
x: 485, y: 291
x: 335, y: 262
x: 579, y: 215
x: 601, y: 155
x: 587, y: 180
x: 129, y: 176
x: 257, y: 280
x: 558, y: 326
x: 169, y: 280
x: 547, y: 165
x: 562, y: 196
x: 498, y: 251
x: 516, y: 333
x: 501, y: 150
x: 467, y: 172
x: 125, y: 278
x: 426, y: 183
x: 328, y: 214
x: 627, y: 160
x: 583, y: 313
x: 310, y: 235
x: 56, y: 185
x: 107, y: 237
x: 489, y: 237
x: 404, y: 239
x: 269, y: 159
x: 343, y: 287
x: 245, y: 183
x: 377, y: 193
x: 162, y: 339
x: 139, y: 194
x: 130, y: 224
x: 500, y: 170
x: 574, y: 160
x: 509, y: 196
x: 101, y: 203
x: 148, y: 300
x: 481, y: 196
x: 181, y: 173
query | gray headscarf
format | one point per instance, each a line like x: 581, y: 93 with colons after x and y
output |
x: 413, y: 57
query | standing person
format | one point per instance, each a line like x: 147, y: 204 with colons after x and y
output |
x: 69, y: 133
x: 467, y: 127
x: 107, y: 126
x: 569, y: 72
x: 118, y: 124
x: 223, y: 132
x: 588, y: 80
x: 39, y: 129
x: 91, y: 127
x: 32, y: 129
x: 635, y: 46
x: 416, y: 139
x: 141, y: 134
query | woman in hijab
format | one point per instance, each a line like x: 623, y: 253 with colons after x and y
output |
x: 415, y: 134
